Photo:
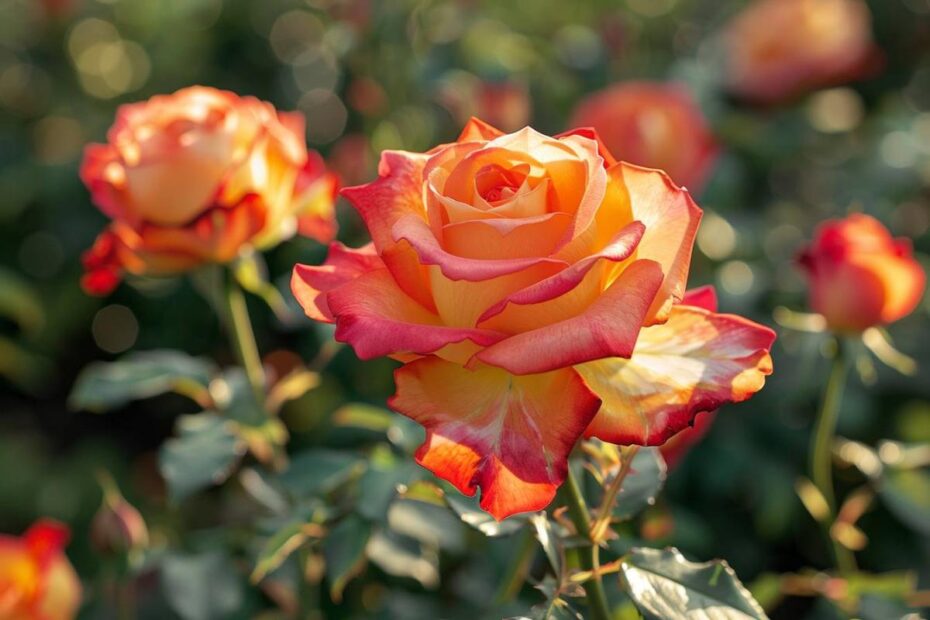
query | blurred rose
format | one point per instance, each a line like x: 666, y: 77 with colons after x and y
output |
x: 532, y: 286
x: 192, y: 177
x: 681, y: 443
x: 352, y: 159
x: 654, y: 125
x: 37, y: 582
x: 501, y: 104
x: 777, y: 49
x: 859, y: 275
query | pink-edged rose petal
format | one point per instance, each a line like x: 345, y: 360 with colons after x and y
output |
x: 696, y: 361
x: 509, y: 436
x: 311, y: 283
x: 377, y: 318
x: 607, y: 328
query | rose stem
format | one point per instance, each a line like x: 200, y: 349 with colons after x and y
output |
x: 610, y: 496
x: 243, y: 339
x: 821, y: 452
x: 578, y: 512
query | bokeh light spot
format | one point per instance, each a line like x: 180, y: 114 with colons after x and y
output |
x: 115, y: 328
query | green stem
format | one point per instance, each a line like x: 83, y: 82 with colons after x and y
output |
x: 243, y: 339
x: 578, y: 513
x: 519, y: 567
x: 610, y: 496
x: 822, y: 452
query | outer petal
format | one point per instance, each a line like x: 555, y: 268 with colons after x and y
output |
x: 311, y: 283
x: 508, y: 435
x: 397, y: 192
x: 477, y: 130
x: 609, y: 327
x: 377, y: 318
x: 671, y: 219
x: 702, y: 297
x: 217, y: 236
x: 695, y: 362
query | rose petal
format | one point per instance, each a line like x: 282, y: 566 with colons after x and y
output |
x: 508, y: 435
x: 396, y: 193
x: 419, y: 235
x: 621, y: 248
x: 671, y: 219
x: 506, y: 238
x: 476, y: 129
x: 702, y: 297
x: 695, y: 362
x: 311, y: 283
x: 609, y: 327
x: 377, y: 318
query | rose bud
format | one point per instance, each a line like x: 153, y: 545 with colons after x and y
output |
x: 778, y: 49
x: 859, y: 276
x: 117, y: 527
x: 534, y: 288
x: 654, y: 125
x: 195, y: 177
x: 36, y: 578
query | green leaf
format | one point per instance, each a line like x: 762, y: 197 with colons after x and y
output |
x: 201, y: 587
x: 19, y: 302
x: 402, y: 556
x: 642, y: 485
x: 205, y: 453
x: 666, y: 586
x: 367, y: 417
x: 548, y: 541
x: 278, y: 548
x: 109, y: 385
x: 344, y: 550
x: 320, y: 471
x: 470, y: 513
x: 906, y: 492
x: 379, y: 484
x: 428, y: 523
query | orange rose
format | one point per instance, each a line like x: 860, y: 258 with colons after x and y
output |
x: 859, y: 275
x: 532, y: 287
x: 191, y: 178
x: 36, y: 580
x: 777, y: 49
x: 654, y: 125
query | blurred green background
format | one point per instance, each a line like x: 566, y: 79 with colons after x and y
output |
x: 405, y: 74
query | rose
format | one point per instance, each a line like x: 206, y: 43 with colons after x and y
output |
x: 777, y: 49
x: 531, y: 286
x: 36, y: 579
x: 654, y: 125
x: 197, y: 176
x: 859, y: 276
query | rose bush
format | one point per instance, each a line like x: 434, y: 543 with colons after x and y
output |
x: 196, y: 176
x: 37, y: 582
x: 532, y: 286
x: 654, y: 125
x: 859, y: 275
x: 777, y: 49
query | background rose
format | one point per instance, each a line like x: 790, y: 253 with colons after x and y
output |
x: 777, y: 49
x: 654, y: 125
x: 36, y: 579
x: 191, y: 177
x: 514, y: 274
x: 859, y: 275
